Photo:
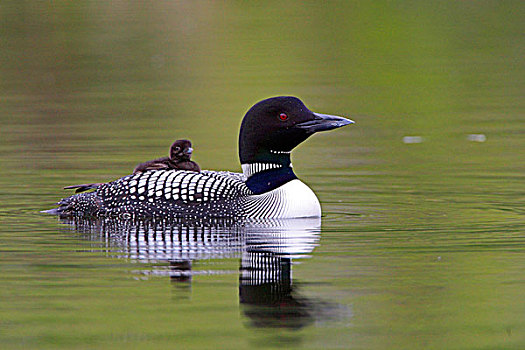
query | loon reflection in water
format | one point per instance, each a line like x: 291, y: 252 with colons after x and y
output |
x: 266, y: 248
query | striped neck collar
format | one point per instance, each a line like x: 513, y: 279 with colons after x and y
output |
x: 264, y: 177
x: 253, y: 168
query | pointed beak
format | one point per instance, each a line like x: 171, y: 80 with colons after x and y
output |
x: 188, y: 151
x: 323, y: 122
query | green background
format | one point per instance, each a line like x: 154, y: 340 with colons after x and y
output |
x: 424, y: 243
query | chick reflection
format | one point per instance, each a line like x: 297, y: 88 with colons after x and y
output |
x: 266, y: 250
x: 180, y: 270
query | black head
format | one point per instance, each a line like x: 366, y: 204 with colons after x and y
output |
x: 181, y: 150
x: 273, y: 127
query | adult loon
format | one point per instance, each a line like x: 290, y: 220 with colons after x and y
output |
x: 267, y: 188
x: 180, y: 154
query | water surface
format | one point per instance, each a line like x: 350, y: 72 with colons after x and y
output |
x: 422, y: 239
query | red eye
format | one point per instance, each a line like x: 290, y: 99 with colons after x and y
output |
x: 283, y: 116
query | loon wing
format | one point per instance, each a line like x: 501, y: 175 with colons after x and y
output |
x: 235, y: 176
x: 162, y: 193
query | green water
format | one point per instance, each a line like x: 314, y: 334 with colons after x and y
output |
x: 421, y: 245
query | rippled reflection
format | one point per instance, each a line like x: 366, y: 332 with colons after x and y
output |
x: 265, y: 282
x: 266, y: 249
x: 161, y: 240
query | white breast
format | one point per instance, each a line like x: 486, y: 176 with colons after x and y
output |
x: 292, y: 200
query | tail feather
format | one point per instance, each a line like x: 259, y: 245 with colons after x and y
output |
x: 85, y: 204
x: 54, y: 211
x: 83, y: 187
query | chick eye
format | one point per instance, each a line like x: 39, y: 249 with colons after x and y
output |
x: 177, y: 148
x: 283, y: 116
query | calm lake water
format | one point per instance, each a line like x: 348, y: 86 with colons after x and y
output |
x: 422, y: 240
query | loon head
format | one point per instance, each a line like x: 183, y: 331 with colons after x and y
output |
x: 181, y: 150
x: 272, y: 128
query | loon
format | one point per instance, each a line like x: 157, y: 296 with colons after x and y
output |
x: 267, y: 187
x: 180, y: 154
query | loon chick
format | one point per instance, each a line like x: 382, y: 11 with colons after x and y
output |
x: 180, y: 154
x: 267, y: 188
